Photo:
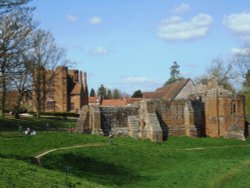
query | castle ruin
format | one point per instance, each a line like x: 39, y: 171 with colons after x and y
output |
x: 181, y: 108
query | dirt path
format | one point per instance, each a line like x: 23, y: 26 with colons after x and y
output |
x: 38, y: 157
x: 213, y: 147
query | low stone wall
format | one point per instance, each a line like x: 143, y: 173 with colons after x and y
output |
x: 133, y: 126
x: 116, y: 119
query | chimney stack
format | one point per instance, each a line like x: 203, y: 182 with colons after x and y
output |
x: 85, y: 79
x: 85, y: 85
x: 81, y: 77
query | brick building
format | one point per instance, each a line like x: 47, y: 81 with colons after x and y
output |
x: 62, y: 90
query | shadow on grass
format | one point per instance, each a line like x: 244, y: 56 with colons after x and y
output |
x: 92, y: 169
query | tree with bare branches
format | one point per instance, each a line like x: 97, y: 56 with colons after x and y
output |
x: 15, y: 28
x: 241, y: 61
x: 9, y: 5
x: 223, y: 71
x: 43, y: 55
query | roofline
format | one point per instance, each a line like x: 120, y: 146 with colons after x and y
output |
x: 187, y: 80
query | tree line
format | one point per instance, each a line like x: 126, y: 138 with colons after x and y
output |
x: 25, y: 52
x: 106, y: 93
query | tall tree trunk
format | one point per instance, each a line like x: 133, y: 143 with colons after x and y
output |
x: 38, y: 93
x: 3, y: 97
x: 18, y: 104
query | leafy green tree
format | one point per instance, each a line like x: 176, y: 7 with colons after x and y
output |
x: 137, y: 94
x: 174, y: 74
x: 92, y: 93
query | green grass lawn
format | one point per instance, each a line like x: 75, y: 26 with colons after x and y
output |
x: 178, y: 162
x: 12, y: 124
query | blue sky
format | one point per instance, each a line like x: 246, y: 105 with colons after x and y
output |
x: 130, y: 45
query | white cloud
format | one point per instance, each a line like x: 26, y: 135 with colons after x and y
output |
x: 176, y: 29
x: 181, y: 8
x: 241, y: 51
x: 95, y: 20
x: 239, y: 24
x: 99, y: 51
x: 71, y: 18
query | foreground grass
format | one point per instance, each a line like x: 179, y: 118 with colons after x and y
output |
x: 178, y: 162
x: 155, y: 165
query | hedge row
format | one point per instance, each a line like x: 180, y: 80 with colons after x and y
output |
x: 57, y: 114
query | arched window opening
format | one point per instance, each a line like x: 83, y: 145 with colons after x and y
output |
x: 233, y: 108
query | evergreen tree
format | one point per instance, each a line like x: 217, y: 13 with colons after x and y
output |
x: 116, y: 94
x: 92, y: 93
x: 109, y: 94
x: 174, y: 74
x: 174, y: 70
x: 137, y: 94
x: 102, y: 92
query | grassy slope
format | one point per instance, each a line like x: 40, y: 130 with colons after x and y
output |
x: 144, y: 164
x: 17, y: 151
x: 127, y: 163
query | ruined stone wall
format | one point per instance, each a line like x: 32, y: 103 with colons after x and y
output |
x: 231, y: 114
x: 173, y: 118
x: 199, y: 116
x: 95, y: 120
x: 224, y: 114
x: 212, y: 114
x: 84, y: 122
x: 133, y: 126
x: 170, y: 115
x: 116, y: 119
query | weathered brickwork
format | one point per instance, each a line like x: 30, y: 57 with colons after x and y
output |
x: 133, y: 126
x: 116, y: 119
x: 84, y: 122
x: 175, y: 117
x: 212, y: 112
x: 224, y: 114
x: 61, y: 90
